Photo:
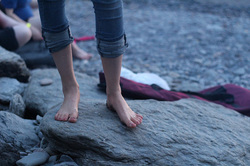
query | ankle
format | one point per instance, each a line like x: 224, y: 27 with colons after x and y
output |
x: 113, y: 92
x: 71, y: 88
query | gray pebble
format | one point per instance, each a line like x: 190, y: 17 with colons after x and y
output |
x: 17, y: 105
x: 35, y: 158
x: 40, y: 135
x: 46, y: 82
x: 38, y: 119
x: 239, y: 71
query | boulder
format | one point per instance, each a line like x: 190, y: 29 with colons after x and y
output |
x: 40, y: 99
x: 16, y: 135
x: 9, y: 87
x: 12, y: 65
x: 185, y: 132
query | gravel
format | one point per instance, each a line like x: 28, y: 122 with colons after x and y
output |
x: 193, y: 45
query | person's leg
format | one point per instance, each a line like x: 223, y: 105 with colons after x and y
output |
x: 22, y: 32
x: 111, y: 45
x: 76, y: 51
x: 58, y: 40
x: 79, y: 53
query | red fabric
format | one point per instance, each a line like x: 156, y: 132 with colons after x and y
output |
x: 241, y: 96
x: 229, y: 95
x: 84, y: 38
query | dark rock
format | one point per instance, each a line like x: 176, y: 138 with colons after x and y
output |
x: 44, y: 143
x: 65, y: 158
x: 9, y: 87
x: 36, y: 55
x: 51, y: 161
x: 3, y: 107
x: 16, y: 135
x: 186, y: 132
x: 17, y: 105
x: 12, y: 65
x: 42, y: 98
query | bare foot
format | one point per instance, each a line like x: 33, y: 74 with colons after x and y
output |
x: 79, y: 53
x: 117, y: 103
x: 69, y: 108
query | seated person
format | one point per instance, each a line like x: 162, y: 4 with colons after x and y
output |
x: 12, y: 33
x: 21, y: 11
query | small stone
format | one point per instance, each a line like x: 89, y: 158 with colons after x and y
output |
x: 23, y: 153
x: 35, y: 158
x: 240, y: 71
x: 17, y: 105
x: 46, y: 82
x: 51, y: 161
x: 44, y: 143
x: 38, y: 119
x: 40, y: 135
x: 65, y: 160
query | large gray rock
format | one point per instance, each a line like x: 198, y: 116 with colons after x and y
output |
x: 16, y: 135
x: 186, y: 132
x: 42, y: 98
x: 12, y: 65
x: 9, y: 87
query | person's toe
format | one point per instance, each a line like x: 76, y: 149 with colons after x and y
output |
x: 73, y: 117
x: 64, y: 117
x: 130, y: 123
x: 57, y: 116
x: 136, y: 120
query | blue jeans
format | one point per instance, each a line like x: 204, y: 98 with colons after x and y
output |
x: 111, y: 39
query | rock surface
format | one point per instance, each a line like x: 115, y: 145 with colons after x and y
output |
x: 12, y: 65
x: 42, y: 98
x: 9, y: 87
x: 16, y: 135
x: 186, y: 132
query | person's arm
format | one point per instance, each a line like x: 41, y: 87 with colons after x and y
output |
x: 6, y: 21
x: 10, y: 13
x: 36, y: 33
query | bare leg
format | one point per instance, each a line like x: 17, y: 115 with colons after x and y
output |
x: 112, y: 70
x: 79, y: 53
x: 22, y: 32
x: 64, y: 64
x: 76, y: 51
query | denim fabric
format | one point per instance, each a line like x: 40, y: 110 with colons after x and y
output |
x: 109, y: 26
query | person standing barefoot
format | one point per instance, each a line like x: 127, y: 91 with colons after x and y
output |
x: 111, y: 45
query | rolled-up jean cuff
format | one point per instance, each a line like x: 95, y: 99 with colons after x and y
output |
x: 57, y: 41
x: 112, y: 49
